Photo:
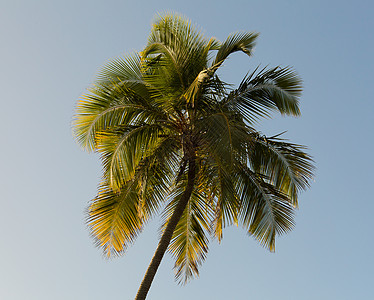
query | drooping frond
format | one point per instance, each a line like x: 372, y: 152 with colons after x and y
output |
x: 264, y: 210
x: 112, y: 103
x: 260, y: 92
x: 114, y: 218
x: 223, y: 135
x: 222, y: 145
x: 227, y: 203
x: 241, y: 41
x: 158, y: 173
x: 286, y: 165
x: 123, y: 149
x: 189, y: 244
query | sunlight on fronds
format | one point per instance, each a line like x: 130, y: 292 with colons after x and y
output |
x: 167, y: 127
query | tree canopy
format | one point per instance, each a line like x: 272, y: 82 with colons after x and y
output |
x: 176, y: 140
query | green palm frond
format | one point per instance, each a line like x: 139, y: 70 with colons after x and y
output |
x: 125, y: 72
x: 264, y: 210
x: 241, y: 41
x: 286, y: 165
x: 189, y: 244
x: 157, y: 173
x: 227, y: 204
x: 122, y: 151
x: 121, y: 69
x: 181, y: 50
x: 104, y: 108
x: 182, y: 39
x: 114, y: 218
x: 224, y: 136
x: 260, y: 92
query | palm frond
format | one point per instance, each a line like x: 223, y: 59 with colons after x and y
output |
x: 240, y: 41
x: 227, y: 203
x: 286, y: 165
x: 182, y: 51
x: 106, y: 107
x: 261, y: 92
x: 189, y: 244
x: 122, y: 150
x: 157, y: 173
x: 125, y: 72
x: 264, y: 210
x: 224, y: 136
x: 127, y: 68
x: 114, y: 218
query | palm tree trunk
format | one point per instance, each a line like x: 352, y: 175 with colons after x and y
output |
x: 168, y: 233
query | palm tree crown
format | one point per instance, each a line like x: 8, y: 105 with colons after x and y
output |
x: 176, y: 140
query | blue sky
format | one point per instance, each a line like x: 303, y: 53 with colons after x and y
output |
x: 50, y: 52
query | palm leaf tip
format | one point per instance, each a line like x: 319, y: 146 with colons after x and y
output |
x: 241, y: 41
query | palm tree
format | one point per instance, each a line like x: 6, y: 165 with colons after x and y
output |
x: 176, y: 140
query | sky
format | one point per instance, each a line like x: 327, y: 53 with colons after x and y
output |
x: 49, y: 55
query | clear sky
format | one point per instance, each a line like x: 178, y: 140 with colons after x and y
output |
x: 50, y: 52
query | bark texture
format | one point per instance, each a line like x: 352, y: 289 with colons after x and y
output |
x: 168, y: 233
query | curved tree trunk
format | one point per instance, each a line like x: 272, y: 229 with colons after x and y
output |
x: 168, y: 233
